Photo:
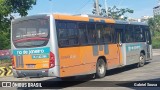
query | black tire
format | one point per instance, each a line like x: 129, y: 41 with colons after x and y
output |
x: 142, y: 60
x: 100, y: 68
x: 16, y: 76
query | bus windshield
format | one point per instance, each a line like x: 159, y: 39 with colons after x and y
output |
x: 30, y: 33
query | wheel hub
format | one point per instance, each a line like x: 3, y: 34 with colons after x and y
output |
x: 101, y: 69
x: 141, y: 59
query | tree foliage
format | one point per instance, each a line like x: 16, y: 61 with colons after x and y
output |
x: 114, y: 12
x: 7, y: 8
x: 154, y: 24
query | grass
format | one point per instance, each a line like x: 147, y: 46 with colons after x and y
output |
x: 156, y: 43
x: 156, y: 40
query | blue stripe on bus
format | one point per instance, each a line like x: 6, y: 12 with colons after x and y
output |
x: 133, y: 47
x: 106, y: 50
x: 91, y: 20
x: 103, y: 21
x: 45, y: 50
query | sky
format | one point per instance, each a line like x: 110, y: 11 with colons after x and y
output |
x: 140, y: 7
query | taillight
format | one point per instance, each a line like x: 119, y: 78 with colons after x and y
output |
x: 52, y: 60
x: 13, y: 64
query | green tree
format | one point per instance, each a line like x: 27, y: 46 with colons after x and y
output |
x: 7, y: 8
x: 151, y: 24
x: 157, y: 23
x: 114, y: 12
x: 154, y: 24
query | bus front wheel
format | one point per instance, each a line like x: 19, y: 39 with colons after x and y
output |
x: 100, y: 68
x: 141, y: 60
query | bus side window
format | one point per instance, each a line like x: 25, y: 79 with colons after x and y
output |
x: 72, y: 33
x: 83, y: 33
x: 100, y: 30
x: 139, y: 34
x: 147, y: 35
x: 129, y: 36
x: 119, y: 30
x: 108, y: 34
x: 62, y: 34
x: 105, y: 33
x: 67, y: 33
x: 92, y: 33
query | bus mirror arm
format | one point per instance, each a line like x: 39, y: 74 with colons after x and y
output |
x: 119, y: 44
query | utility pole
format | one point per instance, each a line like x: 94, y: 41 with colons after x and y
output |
x: 97, y: 7
x: 50, y: 1
x: 106, y: 7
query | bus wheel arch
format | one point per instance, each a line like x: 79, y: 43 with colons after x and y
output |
x: 102, y: 57
x: 143, y: 52
x: 101, y: 67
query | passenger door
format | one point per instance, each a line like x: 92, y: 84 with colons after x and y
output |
x: 148, y: 43
x: 119, y: 29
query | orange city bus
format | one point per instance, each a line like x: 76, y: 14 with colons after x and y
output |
x: 56, y: 45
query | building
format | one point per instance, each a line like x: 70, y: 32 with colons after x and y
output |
x: 145, y: 18
x: 142, y: 19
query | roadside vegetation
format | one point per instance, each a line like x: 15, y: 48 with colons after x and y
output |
x: 156, y: 40
x: 7, y: 10
x: 154, y: 24
x: 5, y: 63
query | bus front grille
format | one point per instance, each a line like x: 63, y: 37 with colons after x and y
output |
x: 19, y: 62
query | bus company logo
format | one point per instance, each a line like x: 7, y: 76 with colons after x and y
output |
x: 133, y: 47
x: 6, y: 84
x: 69, y: 57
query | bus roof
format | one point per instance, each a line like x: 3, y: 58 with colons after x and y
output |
x: 80, y: 17
x: 88, y: 18
x: 94, y: 18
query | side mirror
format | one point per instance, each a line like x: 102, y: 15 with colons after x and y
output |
x: 120, y: 44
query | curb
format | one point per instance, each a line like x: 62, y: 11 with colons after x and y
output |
x: 6, y: 71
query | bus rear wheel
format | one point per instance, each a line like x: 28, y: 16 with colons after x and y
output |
x: 141, y: 60
x: 100, y: 68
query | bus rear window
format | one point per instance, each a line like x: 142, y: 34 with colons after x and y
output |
x: 30, y: 33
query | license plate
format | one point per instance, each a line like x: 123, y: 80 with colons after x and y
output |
x: 31, y: 65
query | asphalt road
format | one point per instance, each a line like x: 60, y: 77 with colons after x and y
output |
x: 149, y: 72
